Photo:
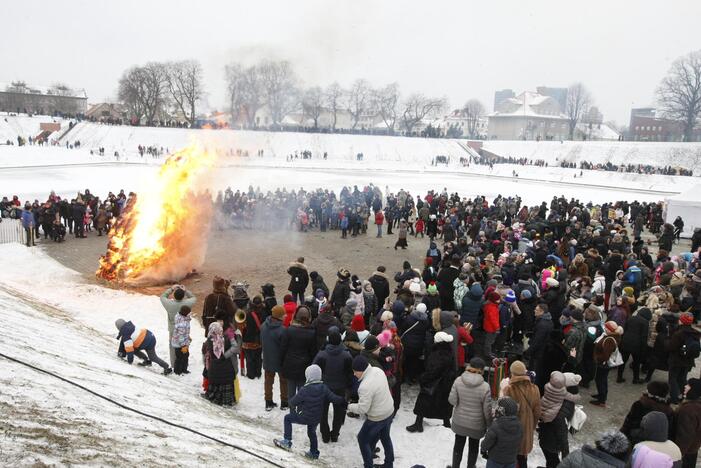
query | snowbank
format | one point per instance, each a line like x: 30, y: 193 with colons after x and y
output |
x: 25, y: 126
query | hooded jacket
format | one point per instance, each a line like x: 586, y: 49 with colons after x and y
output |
x: 555, y: 394
x: 502, y: 440
x: 414, y: 331
x: 471, y: 398
x: 380, y: 284
x: 655, y: 450
x: 271, y: 333
x: 310, y: 400
x: 336, y: 366
x: 299, y: 278
x: 131, y: 339
x: 471, y: 306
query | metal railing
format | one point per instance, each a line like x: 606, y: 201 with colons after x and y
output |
x: 11, y: 231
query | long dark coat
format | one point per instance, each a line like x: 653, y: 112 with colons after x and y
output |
x: 440, y: 371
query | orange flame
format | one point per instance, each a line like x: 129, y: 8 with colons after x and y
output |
x: 161, y: 234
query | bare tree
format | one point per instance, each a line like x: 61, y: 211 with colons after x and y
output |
x: 245, y: 92
x: 578, y: 103
x: 184, y: 81
x: 132, y: 92
x: 386, y: 101
x: 358, y: 101
x: 679, y: 93
x: 417, y: 107
x: 474, y: 111
x: 332, y: 98
x: 313, y: 104
x: 280, y: 86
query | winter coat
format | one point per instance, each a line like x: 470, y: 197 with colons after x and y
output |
x: 340, y: 294
x: 318, y: 283
x: 181, y: 331
x: 641, y: 407
x: 336, y: 367
x: 380, y: 284
x: 131, y: 339
x: 635, y: 333
x: 472, y: 306
x: 541, y: 336
x: 370, y: 303
x: 446, y: 277
x: 298, y: 348
x: 251, y: 333
x: 604, y: 348
x: 414, y: 330
x: 471, y: 398
x: 310, y: 400
x: 590, y: 457
x: 490, y: 324
x: 299, y: 278
x: 527, y: 396
x: 221, y: 371
x: 321, y: 325
x: 27, y: 219
x: 173, y: 306
x: 271, y: 333
x: 553, y: 397
x: 502, y: 440
x: 688, y: 426
x: 438, y: 379
x: 374, y: 397
x: 675, y: 343
x: 290, y: 310
x: 217, y: 299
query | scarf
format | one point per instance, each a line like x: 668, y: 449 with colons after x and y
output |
x: 216, y: 334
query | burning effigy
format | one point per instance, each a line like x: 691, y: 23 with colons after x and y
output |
x: 161, y: 234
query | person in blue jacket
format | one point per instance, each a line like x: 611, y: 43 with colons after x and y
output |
x: 136, y: 342
x: 28, y: 224
x: 306, y: 408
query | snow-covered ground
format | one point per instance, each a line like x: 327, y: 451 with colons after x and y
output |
x: 12, y: 126
x: 53, y: 319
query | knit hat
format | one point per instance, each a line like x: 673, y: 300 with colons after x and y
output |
x: 476, y: 364
x: 494, y: 296
x: 303, y: 315
x: 386, y: 315
x: 517, y: 368
x: 119, y: 323
x: 612, y: 328
x: 358, y: 323
x: 654, y: 426
x: 360, y: 363
x: 614, y: 443
x: 421, y: 308
x: 658, y: 389
x: 552, y: 282
x: 432, y: 289
x: 319, y: 293
x: 384, y: 338
x: 442, y: 337
x: 510, y: 296
x: 352, y: 303
x: 506, y: 407
x: 645, y: 313
x: 278, y: 312
x: 572, y: 379
x: 577, y: 315
x: 686, y: 318
x: 334, y: 336
x: 313, y: 373
x: 287, y: 298
x: 694, y: 392
x: 628, y: 291
x: 526, y: 294
x: 371, y: 343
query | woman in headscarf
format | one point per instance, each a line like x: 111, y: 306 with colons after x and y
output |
x: 219, y: 367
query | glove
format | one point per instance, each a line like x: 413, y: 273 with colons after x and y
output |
x: 184, y: 349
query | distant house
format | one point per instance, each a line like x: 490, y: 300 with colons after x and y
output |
x: 528, y: 116
x: 106, y: 111
x: 646, y: 124
x: 59, y: 99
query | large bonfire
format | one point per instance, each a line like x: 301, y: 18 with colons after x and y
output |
x: 161, y: 235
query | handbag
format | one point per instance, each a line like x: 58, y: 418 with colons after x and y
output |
x: 615, y: 359
x: 578, y: 419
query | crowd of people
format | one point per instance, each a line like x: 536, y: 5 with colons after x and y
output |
x: 502, y: 329
x: 646, y: 169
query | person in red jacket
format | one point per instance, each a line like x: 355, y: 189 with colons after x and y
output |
x: 379, y: 221
x: 290, y: 308
x: 490, y: 324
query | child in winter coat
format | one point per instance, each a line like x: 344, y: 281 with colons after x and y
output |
x: 419, y: 228
x: 557, y: 407
x: 555, y: 394
x: 306, y: 408
x: 503, y: 438
x: 181, y: 340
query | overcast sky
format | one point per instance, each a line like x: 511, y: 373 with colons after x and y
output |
x: 460, y: 49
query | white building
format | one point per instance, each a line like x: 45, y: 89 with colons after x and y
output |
x: 528, y: 116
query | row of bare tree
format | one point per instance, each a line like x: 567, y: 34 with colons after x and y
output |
x: 160, y: 89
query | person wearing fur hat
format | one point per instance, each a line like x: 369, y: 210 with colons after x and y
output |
x: 336, y: 365
x: 688, y: 423
x: 501, y: 442
x: 527, y: 396
x: 634, y: 343
x: 605, y: 346
x: 341, y: 291
x: 299, y: 279
x: 656, y: 449
x: 306, y: 408
x: 133, y: 342
x: 471, y: 398
x: 610, y: 450
x: 655, y: 398
x: 271, y: 333
x: 298, y: 348
x: 216, y: 301
x: 436, y: 383
x: 268, y: 293
x: 413, y: 334
x: 683, y: 347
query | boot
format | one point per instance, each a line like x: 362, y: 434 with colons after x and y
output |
x: 418, y: 426
x: 269, y: 405
x: 284, y: 405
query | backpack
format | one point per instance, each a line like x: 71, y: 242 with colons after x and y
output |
x: 691, y: 348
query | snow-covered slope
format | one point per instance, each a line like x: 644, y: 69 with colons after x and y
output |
x: 22, y: 125
x: 687, y: 155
